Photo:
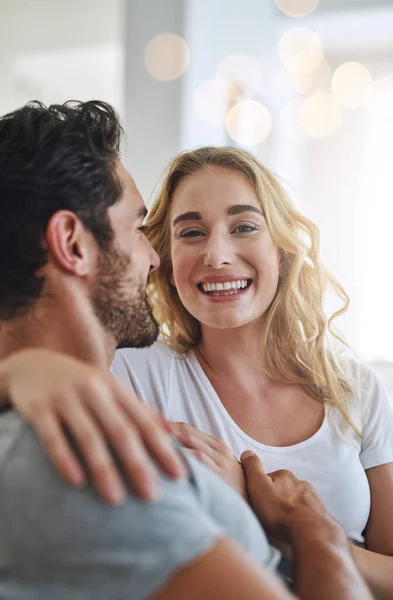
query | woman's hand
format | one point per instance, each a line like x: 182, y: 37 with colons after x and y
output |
x: 52, y: 391
x: 213, y: 452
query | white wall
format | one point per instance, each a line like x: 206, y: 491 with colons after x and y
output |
x: 56, y: 50
x: 153, y: 108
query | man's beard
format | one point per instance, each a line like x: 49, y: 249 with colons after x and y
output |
x: 121, y: 303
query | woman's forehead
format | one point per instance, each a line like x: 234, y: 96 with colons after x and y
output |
x: 216, y: 186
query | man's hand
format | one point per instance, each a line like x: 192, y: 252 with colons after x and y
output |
x: 281, y: 501
x: 292, y: 513
x: 213, y: 452
x: 52, y: 391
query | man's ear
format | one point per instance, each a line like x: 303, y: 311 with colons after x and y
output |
x: 69, y: 243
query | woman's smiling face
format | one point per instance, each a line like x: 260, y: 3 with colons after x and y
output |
x: 225, y: 263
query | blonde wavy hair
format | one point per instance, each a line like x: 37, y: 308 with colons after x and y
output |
x: 296, y: 342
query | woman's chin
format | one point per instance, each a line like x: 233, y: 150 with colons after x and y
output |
x: 224, y: 323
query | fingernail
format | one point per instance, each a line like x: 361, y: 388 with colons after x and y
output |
x: 180, y: 470
x: 77, y: 477
x: 165, y: 424
x: 150, y: 492
x: 247, y: 454
x: 116, y: 492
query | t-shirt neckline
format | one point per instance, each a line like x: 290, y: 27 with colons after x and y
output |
x: 216, y: 399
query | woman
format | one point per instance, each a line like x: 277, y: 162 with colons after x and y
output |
x: 248, y: 359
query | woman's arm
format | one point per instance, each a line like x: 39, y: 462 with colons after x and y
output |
x: 376, y: 563
x: 52, y: 391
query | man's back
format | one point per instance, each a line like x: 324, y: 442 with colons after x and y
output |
x: 60, y: 543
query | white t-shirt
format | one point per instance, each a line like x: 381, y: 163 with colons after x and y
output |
x: 334, y: 459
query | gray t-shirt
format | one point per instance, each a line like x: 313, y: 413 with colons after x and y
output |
x: 60, y: 543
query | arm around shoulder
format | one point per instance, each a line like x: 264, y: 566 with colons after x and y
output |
x: 223, y: 573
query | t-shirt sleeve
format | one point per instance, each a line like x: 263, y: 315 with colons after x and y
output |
x: 73, y: 546
x: 147, y: 371
x: 377, y: 421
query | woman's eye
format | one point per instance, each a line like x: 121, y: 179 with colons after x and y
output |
x: 191, y: 233
x: 245, y: 228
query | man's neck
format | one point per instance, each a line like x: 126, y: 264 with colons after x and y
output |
x: 55, y: 326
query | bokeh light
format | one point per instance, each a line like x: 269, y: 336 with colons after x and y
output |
x: 243, y: 70
x: 297, y: 8
x: 352, y: 85
x: 278, y: 80
x: 300, y: 50
x: 249, y: 122
x: 290, y: 121
x: 167, y: 56
x: 317, y: 80
x: 320, y: 115
x: 213, y: 99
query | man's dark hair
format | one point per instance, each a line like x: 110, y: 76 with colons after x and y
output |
x: 51, y: 158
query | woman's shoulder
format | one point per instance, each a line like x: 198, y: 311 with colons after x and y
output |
x: 369, y: 392
x: 156, y: 360
x: 363, y: 378
x: 147, y: 371
x: 157, y: 356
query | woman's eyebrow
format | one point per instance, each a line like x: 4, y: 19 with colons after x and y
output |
x: 237, y: 209
x: 187, y: 216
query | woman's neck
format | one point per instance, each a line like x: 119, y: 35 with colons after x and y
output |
x: 232, y: 352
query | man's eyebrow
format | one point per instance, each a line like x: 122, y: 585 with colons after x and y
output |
x: 237, y: 209
x: 187, y: 216
x: 142, y: 212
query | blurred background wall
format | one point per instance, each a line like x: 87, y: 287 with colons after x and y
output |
x: 305, y: 85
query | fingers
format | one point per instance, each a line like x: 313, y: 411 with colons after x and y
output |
x: 252, y: 465
x: 256, y: 478
x: 153, y: 431
x: 94, y: 449
x: 53, y: 439
x: 96, y: 408
x: 128, y: 441
x: 94, y: 413
x: 190, y: 437
x: 205, y: 459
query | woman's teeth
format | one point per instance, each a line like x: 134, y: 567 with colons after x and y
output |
x: 225, y: 287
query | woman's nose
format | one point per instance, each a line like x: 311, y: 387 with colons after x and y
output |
x: 217, y: 253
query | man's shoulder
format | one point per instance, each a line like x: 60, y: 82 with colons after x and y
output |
x: 13, y: 431
x: 68, y: 535
x: 26, y: 471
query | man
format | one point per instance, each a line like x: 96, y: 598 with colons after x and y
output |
x: 77, y: 266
